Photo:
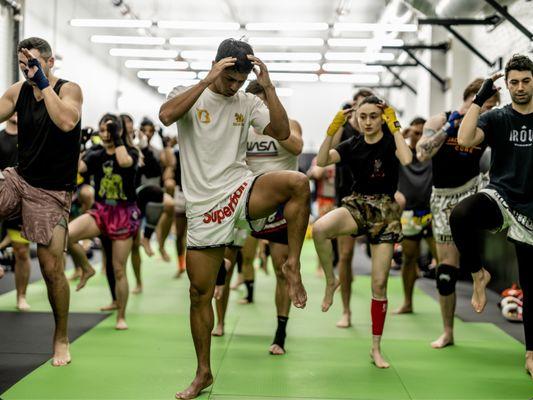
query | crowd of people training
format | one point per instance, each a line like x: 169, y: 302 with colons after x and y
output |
x: 374, y: 179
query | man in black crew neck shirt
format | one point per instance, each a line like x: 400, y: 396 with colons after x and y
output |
x: 40, y: 188
x: 507, y: 201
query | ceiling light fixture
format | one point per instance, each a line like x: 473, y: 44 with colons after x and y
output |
x: 287, y: 26
x: 200, y: 25
x: 148, y: 53
x: 140, y: 40
x: 111, y: 23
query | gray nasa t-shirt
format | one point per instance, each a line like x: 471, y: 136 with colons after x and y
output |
x: 510, y: 136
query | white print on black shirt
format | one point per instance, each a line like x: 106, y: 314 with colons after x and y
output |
x: 522, y: 138
x: 378, y: 169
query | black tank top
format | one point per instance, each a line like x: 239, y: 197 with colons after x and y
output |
x: 47, y: 156
x: 454, y: 165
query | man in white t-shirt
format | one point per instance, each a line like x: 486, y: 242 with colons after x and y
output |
x: 213, y: 119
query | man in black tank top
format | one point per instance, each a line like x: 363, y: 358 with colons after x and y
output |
x: 40, y: 188
x: 456, y: 175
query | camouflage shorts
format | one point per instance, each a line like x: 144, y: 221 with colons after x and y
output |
x: 377, y: 216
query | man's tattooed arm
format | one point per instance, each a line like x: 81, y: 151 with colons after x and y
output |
x: 429, y: 143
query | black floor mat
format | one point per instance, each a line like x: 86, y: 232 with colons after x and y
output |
x: 26, y: 341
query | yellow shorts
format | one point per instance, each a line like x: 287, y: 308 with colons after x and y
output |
x: 16, y: 236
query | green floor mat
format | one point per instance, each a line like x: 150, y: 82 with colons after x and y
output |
x: 156, y: 358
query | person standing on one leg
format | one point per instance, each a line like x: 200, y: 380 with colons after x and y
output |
x: 213, y: 119
x: 266, y: 154
x: 456, y: 175
x: 374, y: 160
x: 507, y: 201
x: 21, y: 247
x: 115, y: 214
x: 343, y: 187
x: 40, y: 187
x: 415, y: 186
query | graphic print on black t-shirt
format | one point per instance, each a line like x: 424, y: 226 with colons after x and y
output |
x: 454, y: 165
x: 510, y: 137
x: 374, y: 167
x: 111, y: 181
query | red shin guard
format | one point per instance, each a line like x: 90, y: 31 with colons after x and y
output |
x: 378, y: 310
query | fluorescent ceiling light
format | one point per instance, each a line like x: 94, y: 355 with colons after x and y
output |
x: 342, y: 67
x: 293, y: 77
x: 196, y: 41
x: 199, y: 54
x: 201, y: 65
x: 200, y: 25
x: 298, y: 56
x: 293, y: 66
x: 209, y: 55
x: 156, y: 64
x: 287, y: 26
x: 371, y: 27
x: 166, y: 74
x: 170, y: 81
x: 349, y: 78
x: 286, y: 41
x: 352, y: 56
x: 364, y: 42
x: 112, y: 23
x: 147, y: 40
x: 150, y: 53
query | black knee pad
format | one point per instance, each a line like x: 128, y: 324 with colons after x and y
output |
x: 446, y: 279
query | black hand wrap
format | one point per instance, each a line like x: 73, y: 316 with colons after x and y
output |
x: 112, y: 128
x: 486, y: 91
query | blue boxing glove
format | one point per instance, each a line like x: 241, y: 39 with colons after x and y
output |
x: 454, y: 120
x: 39, y: 78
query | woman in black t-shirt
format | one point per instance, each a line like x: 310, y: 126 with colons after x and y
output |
x: 115, y: 214
x: 373, y: 159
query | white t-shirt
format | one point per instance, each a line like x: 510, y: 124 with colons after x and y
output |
x: 212, y: 138
x: 264, y: 153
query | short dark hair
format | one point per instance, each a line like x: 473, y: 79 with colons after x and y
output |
x: 518, y: 62
x: 417, y: 121
x: 255, y: 88
x: 365, y: 92
x: 36, y: 43
x: 147, y: 122
x: 239, y: 50
x: 372, y: 99
x: 473, y: 87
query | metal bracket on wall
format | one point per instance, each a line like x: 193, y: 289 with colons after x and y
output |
x: 503, y: 11
x: 401, y: 80
x: 444, y: 46
x: 447, y: 23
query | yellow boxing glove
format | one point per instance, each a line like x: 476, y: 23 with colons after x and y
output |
x: 389, y: 117
x: 338, y: 121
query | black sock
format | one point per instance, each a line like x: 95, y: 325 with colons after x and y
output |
x: 281, y: 332
x: 221, y: 277
x: 250, y: 289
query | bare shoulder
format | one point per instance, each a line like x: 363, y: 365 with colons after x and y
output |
x: 70, y: 88
x: 295, y: 125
